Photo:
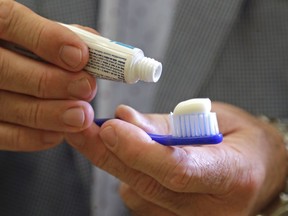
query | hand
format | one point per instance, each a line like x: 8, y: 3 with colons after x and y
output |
x: 39, y: 100
x: 237, y: 177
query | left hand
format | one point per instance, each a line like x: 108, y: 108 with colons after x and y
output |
x: 237, y: 177
x: 39, y: 100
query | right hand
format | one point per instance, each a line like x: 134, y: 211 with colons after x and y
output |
x: 39, y: 100
x: 240, y: 176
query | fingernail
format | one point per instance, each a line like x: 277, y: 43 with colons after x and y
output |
x: 80, y: 88
x: 72, y: 56
x: 109, y: 137
x: 74, y: 117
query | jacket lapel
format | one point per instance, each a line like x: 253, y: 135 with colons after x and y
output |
x: 199, y: 32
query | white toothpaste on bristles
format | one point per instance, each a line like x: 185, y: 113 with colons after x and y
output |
x: 192, y: 118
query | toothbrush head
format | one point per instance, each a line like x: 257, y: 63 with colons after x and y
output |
x: 192, y: 118
x: 192, y: 123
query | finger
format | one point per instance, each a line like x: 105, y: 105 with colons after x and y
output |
x: 182, y: 204
x: 89, y: 143
x: 23, y: 75
x: 190, y: 169
x: 17, y: 138
x: 47, y: 39
x: 231, y: 118
x: 138, y: 205
x: 52, y: 115
x: 146, y: 122
x: 86, y: 28
x: 194, y: 169
x: 177, y: 179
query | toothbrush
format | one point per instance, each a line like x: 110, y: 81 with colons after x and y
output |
x: 192, y: 124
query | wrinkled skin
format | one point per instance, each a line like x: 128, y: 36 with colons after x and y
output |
x: 237, y: 177
x: 39, y: 100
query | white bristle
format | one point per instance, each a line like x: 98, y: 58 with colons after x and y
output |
x: 194, y: 125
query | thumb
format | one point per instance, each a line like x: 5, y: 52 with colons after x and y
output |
x: 151, y: 123
x: 231, y: 118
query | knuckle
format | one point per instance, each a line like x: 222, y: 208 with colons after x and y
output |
x: 7, y: 15
x: 4, y: 64
x: 190, y: 172
x: 34, y: 114
x: 37, y: 35
x: 181, y: 178
x: 16, y: 138
x: 37, y: 80
x: 101, y: 162
x: 178, y: 177
x: 135, y: 159
x: 11, y: 137
x: 41, y: 80
x: 125, y: 192
x: 15, y: 18
x: 146, y: 185
x: 47, y: 139
x: 29, y: 115
x: 105, y: 162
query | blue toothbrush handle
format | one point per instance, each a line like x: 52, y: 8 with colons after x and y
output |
x: 101, y: 121
x: 169, y: 140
